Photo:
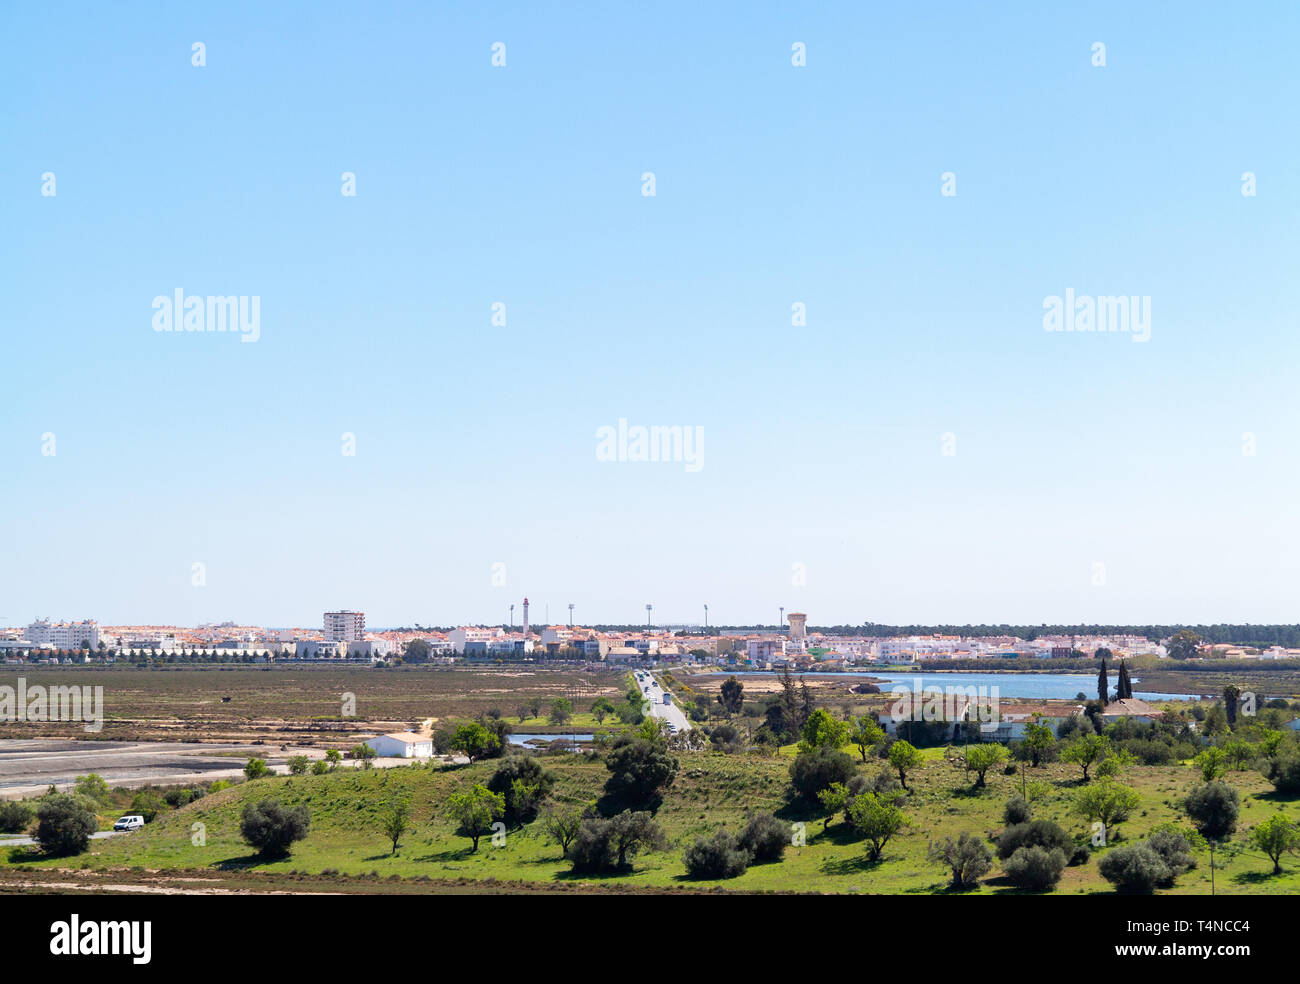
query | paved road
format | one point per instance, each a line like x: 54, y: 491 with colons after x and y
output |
x: 654, y: 693
x: 6, y: 841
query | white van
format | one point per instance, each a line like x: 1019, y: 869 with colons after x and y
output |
x: 132, y: 821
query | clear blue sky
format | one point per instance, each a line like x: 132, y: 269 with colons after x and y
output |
x: 775, y: 184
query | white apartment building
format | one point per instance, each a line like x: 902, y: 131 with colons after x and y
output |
x: 62, y: 635
x: 589, y: 648
x: 466, y: 634
x: 1134, y: 644
x: 510, y: 645
x: 345, y: 626
x: 917, y: 646
x: 764, y: 650
x: 163, y: 643
x: 313, y: 649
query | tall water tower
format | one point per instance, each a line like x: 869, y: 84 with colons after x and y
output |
x: 798, y: 621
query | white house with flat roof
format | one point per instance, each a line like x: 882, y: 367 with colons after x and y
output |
x: 401, y: 744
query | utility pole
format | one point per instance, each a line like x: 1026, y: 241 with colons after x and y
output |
x: 706, y: 618
x: 512, y: 618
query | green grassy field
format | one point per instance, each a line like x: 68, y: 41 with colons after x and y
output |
x: 711, y: 790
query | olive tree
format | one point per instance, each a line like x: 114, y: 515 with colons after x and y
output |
x: 1276, y: 836
x: 475, y: 810
x: 967, y: 857
x: 271, y: 827
x: 1107, y: 803
x: 980, y: 758
x: 63, y: 824
x: 905, y: 758
x: 877, y: 819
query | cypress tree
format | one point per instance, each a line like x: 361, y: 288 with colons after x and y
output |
x: 1231, y: 697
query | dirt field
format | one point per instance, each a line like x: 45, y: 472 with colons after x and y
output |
x: 29, y: 767
x: 134, y: 881
x: 301, y: 705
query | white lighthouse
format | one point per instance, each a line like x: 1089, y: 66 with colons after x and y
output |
x: 525, y: 618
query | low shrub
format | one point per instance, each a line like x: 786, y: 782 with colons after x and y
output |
x: 1035, y: 867
x: 15, y: 816
x: 1035, y: 833
x: 718, y: 856
x: 1283, y: 771
x: 1174, y: 850
x: 765, y: 837
x: 1017, y: 811
x: 1136, y: 869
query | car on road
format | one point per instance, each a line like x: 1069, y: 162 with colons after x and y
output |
x: 132, y: 821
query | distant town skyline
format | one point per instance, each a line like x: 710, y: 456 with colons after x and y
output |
x: 363, y: 624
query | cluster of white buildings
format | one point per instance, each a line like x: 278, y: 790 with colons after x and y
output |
x: 343, y: 635
x: 1003, y: 647
x: 764, y: 650
x: 45, y: 634
x: 556, y: 640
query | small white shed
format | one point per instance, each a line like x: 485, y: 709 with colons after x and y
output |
x: 401, y: 744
